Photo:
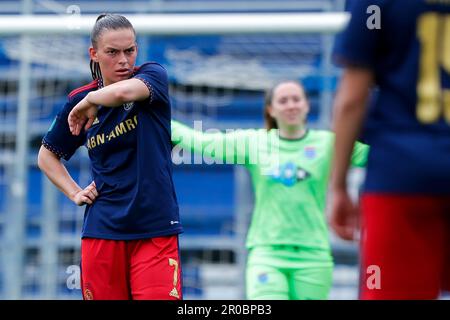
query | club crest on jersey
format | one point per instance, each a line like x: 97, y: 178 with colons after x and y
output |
x: 128, y: 106
x: 309, y: 152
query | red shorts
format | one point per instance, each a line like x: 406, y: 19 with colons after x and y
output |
x: 405, y: 246
x: 135, y: 269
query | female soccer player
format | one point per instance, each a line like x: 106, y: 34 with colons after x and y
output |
x: 129, y: 247
x: 289, y: 250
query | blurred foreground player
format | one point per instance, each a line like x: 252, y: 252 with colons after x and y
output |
x: 405, y: 236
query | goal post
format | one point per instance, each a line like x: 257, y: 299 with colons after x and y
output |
x: 182, y: 24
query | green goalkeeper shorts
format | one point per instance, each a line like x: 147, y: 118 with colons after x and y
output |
x: 284, y: 272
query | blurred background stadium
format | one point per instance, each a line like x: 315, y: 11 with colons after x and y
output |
x: 216, y: 78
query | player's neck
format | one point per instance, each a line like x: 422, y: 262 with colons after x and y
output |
x: 292, y: 132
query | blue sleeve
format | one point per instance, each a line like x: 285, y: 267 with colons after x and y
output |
x: 358, y: 45
x: 58, y: 138
x: 155, y: 78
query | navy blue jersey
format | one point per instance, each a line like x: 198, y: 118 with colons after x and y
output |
x: 130, y: 152
x: 408, y: 118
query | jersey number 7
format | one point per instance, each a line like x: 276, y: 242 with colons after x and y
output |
x: 433, y: 32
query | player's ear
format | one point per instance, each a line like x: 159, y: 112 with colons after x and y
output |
x: 93, y: 54
x: 308, y: 107
x: 270, y: 111
x: 305, y: 97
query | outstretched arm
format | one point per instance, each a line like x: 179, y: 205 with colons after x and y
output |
x: 230, y: 147
x: 51, y: 165
x: 349, y: 111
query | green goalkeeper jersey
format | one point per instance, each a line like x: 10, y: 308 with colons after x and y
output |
x: 290, y: 179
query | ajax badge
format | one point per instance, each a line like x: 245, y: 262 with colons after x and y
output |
x: 128, y: 106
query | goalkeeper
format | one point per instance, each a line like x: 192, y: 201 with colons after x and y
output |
x: 289, y: 251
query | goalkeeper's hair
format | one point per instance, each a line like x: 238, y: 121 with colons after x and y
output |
x: 270, y: 122
x: 104, y: 22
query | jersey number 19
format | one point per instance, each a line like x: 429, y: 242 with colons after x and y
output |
x: 433, y: 31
